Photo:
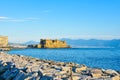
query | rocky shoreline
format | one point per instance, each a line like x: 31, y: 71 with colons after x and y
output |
x: 18, y: 67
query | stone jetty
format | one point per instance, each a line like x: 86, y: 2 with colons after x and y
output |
x: 18, y: 67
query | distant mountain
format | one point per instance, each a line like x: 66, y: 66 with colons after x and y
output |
x: 115, y: 43
x: 11, y: 43
x: 82, y: 43
x: 31, y: 42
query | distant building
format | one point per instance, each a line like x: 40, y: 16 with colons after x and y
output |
x: 48, y: 43
x: 3, y: 41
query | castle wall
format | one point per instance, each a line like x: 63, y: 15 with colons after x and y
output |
x: 3, y: 41
x: 47, y: 43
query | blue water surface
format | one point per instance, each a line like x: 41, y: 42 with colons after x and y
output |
x: 106, y: 58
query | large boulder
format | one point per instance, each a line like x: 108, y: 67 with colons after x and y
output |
x: 10, y: 74
x: 116, y: 77
x: 96, y: 73
x: 20, y: 76
x: 47, y: 78
x: 2, y: 69
x: 81, y: 68
x: 109, y: 71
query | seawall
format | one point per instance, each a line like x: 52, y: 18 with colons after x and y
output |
x: 18, y: 67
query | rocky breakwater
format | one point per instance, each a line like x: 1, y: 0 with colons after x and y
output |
x: 18, y: 67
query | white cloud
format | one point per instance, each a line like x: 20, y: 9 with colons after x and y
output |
x: 8, y: 19
x: 3, y: 18
x: 17, y: 20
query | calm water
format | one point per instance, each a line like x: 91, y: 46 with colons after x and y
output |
x: 101, y: 58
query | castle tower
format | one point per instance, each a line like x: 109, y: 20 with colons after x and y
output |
x: 3, y: 41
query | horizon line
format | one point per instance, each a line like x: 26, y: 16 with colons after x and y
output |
x: 61, y: 38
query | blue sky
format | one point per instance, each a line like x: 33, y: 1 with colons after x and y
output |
x: 24, y: 20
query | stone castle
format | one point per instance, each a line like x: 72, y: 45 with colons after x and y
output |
x: 3, y: 41
x: 48, y: 43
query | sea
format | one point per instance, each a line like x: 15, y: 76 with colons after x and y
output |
x: 105, y: 58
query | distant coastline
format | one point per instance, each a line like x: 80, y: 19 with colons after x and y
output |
x: 90, y: 43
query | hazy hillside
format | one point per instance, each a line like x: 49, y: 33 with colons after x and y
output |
x: 26, y: 43
x: 93, y: 43
x: 31, y: 42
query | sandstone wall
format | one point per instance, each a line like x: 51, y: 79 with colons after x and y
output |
x: 3, y: 41
x: 48, y: 43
